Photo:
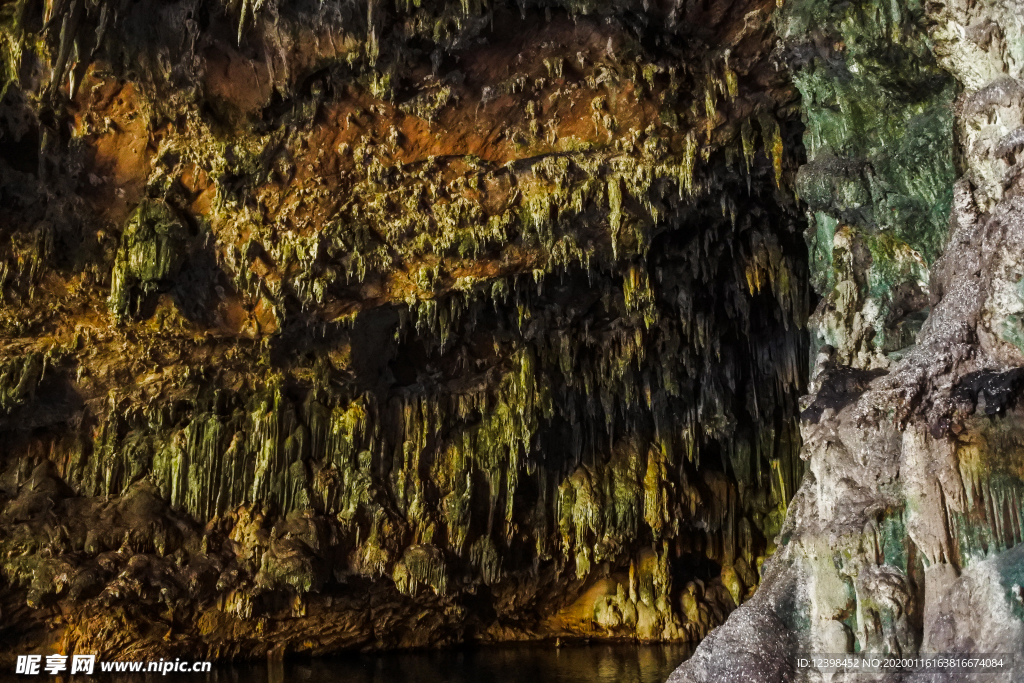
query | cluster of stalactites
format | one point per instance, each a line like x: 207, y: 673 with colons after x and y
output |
x: 427, y: 217
x: 401, y: 473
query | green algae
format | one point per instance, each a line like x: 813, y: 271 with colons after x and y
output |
x: 879, y: 146
x: 152, y: 247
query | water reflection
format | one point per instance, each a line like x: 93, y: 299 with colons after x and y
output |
x: 533, y: 663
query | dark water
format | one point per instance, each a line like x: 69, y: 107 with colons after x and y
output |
x: 533, y: 663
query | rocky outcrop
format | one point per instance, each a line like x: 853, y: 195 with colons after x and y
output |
x: 905, y: 534
x: 334, y: 324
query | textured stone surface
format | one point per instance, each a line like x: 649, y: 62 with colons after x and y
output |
x: 335, y: 325
x: 342, y: 325
x: 904, y: 536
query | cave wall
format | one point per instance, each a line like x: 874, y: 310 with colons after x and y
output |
x: 905, y: 534
x: 335, y: 325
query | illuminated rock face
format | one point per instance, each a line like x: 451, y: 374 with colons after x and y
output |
x: 905, y: 534
x: 330, y: 325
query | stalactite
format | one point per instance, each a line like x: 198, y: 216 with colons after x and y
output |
x: 343, y: 350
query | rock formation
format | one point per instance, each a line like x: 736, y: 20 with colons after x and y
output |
x: 347, y: 324
x: 905, y: 534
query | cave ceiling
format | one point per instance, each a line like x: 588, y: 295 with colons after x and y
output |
x: 331, y: 324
